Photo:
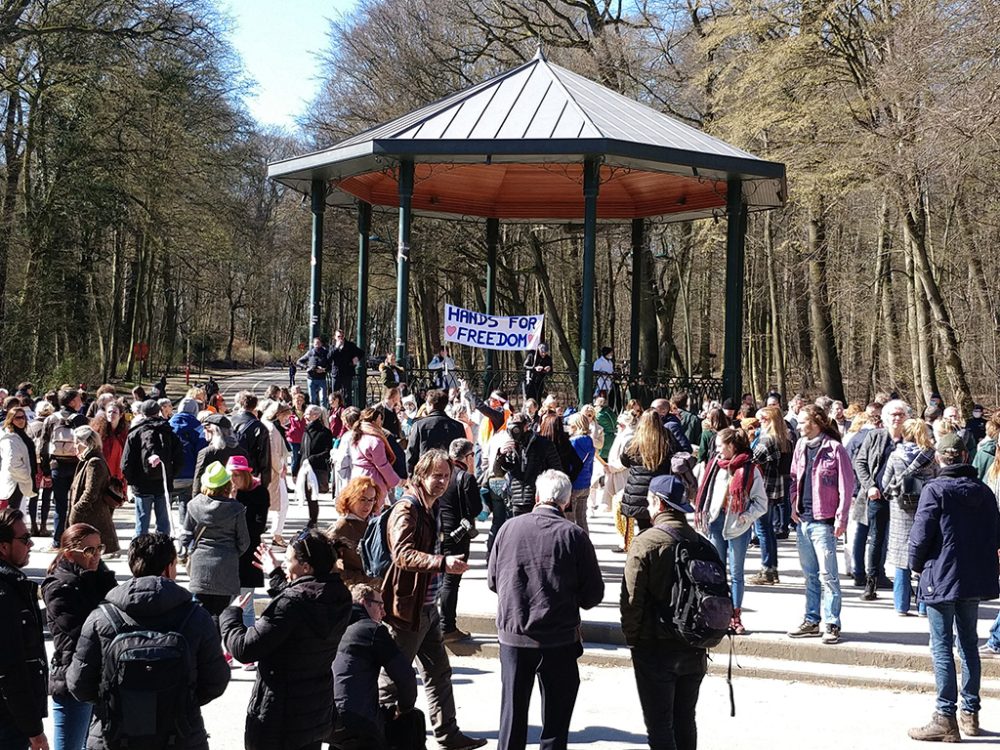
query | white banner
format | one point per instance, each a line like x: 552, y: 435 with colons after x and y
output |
x: 505, y: 333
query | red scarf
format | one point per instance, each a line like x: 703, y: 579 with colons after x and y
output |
x: 740, y: 471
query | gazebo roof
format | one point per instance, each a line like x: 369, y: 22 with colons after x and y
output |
x: 513, y: 148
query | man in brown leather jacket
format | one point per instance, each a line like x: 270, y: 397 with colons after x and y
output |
x: 410, y: 592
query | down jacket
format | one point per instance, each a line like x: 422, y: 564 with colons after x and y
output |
x: 71, y: 594
x: 23, y: 672
x: 635, y: 500
x: 523, y: 466
x: 294, y: 643
x: 160, y: 604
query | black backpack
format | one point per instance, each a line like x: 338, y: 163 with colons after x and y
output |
x: 146, y: 693
x: 700, y: 608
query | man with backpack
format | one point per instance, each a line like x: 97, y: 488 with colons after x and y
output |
x: 668, y: 667
x: 410, y: 591
x: 149, y: 658
x: 543, y: 569
x: 253, y: 435
x: 58, y: 460
x: 152, y: 457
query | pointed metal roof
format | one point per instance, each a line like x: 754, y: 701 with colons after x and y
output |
x: 503, y: 138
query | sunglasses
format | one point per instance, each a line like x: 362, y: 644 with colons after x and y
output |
x: 378, y: 602
x: 303, y: 539
x: 90, y: 551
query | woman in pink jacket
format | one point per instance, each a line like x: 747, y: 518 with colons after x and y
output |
x: 822, y: 484
x: 371, y: 455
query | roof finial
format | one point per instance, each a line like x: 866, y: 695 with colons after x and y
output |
x: 539, y: 54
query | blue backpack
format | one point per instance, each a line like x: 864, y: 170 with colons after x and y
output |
x: 374, y: 547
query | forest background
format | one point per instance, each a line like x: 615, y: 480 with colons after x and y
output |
x: 135, y: 208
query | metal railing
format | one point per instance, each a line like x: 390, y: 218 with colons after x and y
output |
x: 561, y: 383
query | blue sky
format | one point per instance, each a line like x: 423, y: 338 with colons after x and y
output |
x: 278, y: 41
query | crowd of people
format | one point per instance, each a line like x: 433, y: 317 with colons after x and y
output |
x: 353, y: 606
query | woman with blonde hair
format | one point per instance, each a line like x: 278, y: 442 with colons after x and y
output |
x: 355, y: 504
x: 583, y: 444
x: 772, y: 452
x: 646, y: 456
x: 615, y: 476
x: 910, y: 465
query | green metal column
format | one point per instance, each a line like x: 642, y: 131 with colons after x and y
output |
x: 403, y: 260
x: 736, y: 230
x: 591, y: 185
x: 638, y: 240
x: 361, y: 335
x: 317, y: 193
x: 492, y: 241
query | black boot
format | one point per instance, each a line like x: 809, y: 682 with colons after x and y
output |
x: 870, y: 586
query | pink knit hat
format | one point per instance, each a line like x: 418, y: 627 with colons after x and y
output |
x: 237, y: 463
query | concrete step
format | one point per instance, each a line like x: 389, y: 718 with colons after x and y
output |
x: 744, y: 665
x: 772, y: 647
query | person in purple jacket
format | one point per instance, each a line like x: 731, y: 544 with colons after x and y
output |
x: 543, y: 569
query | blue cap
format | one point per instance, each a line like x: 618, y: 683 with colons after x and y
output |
x: 672, y: 491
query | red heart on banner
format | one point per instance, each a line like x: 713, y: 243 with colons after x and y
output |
x: 450, y: 330
x: 531, y: 340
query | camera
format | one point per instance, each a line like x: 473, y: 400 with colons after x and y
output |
x: 466, y: 530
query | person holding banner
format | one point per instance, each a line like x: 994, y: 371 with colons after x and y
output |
x: 537, y: 365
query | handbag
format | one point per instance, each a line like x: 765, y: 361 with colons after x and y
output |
x: 908, y: 492
x: 114, y: 493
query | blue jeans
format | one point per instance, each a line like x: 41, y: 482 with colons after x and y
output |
x: 182, y: 492
x: 783, y: 510
x: 902, y: 590
x: 859, y: 544
x: 768, y: 541
x: 145, y: 505
x: 72, y: 721
x: 943, y: 618
x: 878, y: 536
x: 318, y: 391
x: 62, y: 480
x: 734, y: 551
x: 818, y: 556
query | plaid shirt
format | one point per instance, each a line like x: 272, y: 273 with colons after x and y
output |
x: 767, y: 456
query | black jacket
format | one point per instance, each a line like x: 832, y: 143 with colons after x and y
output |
x: 152, y: 435
x: 525, y: 464
x: 71, y: 594
x: 257, y: 501
x: 635, y: 498
x: 460, y: 500
x: 23, y: 671
x: 436, y: 430
x: 342, y: 361
x: 365, y: 650
x: 255, y: 440
x: 294, y: 644
x: 317, y: 441
x: 160, y: 604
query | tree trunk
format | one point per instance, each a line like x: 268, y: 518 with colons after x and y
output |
x: 914, y: 226
x: 553, y: 318
x: 820, y: 315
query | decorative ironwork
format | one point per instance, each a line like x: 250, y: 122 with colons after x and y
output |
x: 562, y: 384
